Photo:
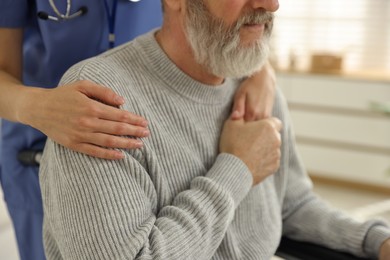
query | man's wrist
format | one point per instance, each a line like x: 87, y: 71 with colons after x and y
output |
x: 384, y: 253
x: 231, y: 173
x: 266, y: 69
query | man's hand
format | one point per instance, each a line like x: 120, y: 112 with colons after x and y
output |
x: 255, y: 97
x: 73, y: 117
x: 257, y: 144
x: 385, y: 250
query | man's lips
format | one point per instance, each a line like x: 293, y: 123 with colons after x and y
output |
x: 254, y: 27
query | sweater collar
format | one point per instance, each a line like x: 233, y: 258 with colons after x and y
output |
x: 160, y: 64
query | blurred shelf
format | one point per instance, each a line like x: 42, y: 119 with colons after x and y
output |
x: 342, y: 126
x: 376, y: 76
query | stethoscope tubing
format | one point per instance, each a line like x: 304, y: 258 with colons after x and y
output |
x: 110, y: 13
x: 58, y: 13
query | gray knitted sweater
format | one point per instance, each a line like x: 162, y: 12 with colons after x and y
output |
x: 178, y: 198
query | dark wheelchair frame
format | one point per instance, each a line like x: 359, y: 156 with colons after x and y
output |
x: 293, y: 250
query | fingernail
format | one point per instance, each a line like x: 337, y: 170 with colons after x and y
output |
x: 144, y: 123
x: 120, y: 155
x: 120, y: 100
x: 235, y: 114
x: 138, y: 144
x: 146, y: 133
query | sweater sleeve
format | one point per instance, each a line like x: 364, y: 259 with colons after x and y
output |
x: 307, y: 217
x: 99, y: 209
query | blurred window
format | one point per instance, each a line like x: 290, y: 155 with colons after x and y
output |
x: 359, y: 30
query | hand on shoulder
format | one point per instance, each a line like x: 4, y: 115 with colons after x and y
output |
x: 86, y: 118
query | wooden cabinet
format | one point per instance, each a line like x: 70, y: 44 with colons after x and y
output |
x: 341, y: 131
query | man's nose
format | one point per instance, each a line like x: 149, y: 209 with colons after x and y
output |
x: 267, y: 5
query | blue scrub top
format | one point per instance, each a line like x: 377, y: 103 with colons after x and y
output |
x: 49, y: 49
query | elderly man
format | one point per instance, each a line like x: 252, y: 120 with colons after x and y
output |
x: 203, y: 186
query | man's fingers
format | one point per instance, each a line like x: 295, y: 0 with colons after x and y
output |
x: 238, y: 110
x: 100, y: 93
x: 276, y: 123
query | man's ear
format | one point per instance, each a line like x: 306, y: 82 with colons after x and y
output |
x: 175, y: 5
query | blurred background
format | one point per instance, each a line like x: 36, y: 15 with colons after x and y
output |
x: 332, y: 60
x: 357, y: 31
x: 333, y: 63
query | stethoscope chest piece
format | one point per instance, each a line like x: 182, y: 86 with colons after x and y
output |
x: 62, y: 16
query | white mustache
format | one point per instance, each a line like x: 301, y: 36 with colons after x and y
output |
x: 255, y: 18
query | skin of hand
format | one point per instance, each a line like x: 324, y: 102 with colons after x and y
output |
x: 255, y: 97
x: 256, y: 143
x: 72, y: 116
x: 385, y: 250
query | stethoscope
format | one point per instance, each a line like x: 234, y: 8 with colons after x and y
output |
x: 82, y: 11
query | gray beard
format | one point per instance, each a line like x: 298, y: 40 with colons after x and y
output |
x: 218, y: 48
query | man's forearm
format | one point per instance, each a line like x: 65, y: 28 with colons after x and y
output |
x: 385, y: 250
x: 92, y: 202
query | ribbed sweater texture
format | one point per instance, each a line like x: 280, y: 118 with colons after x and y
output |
x: 178, y: 197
